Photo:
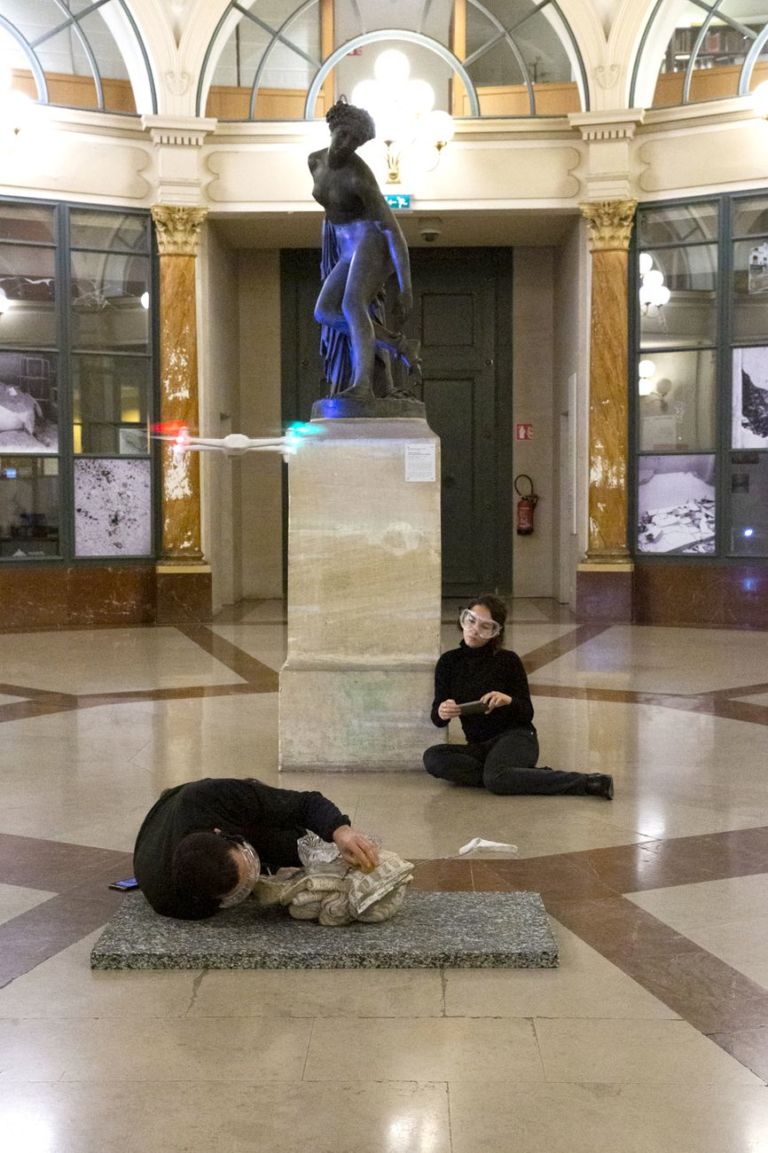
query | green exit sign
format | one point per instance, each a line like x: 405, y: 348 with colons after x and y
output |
x: 398, y: 199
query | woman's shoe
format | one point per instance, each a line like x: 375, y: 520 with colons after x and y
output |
x: 599, y: 785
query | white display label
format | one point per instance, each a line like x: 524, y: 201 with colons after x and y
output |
x: 420, y: 461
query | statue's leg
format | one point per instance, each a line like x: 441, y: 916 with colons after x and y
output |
x: 368, y: 270
x: 328, y: 309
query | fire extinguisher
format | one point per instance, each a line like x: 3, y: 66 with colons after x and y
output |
x: 525, y: 506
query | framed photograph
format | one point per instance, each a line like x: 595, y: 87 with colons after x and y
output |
x: 133, y: 441
x: 757, y: 269
x: 29, y: 412
x: 749, y: 398
x: 676, y: 504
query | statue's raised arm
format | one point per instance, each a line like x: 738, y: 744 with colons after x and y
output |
x: 363, y: 245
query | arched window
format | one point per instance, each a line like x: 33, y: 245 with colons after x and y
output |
x: 274, y: 60
x: 698, y: 50
x: 86, y: 54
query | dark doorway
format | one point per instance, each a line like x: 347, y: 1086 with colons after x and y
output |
x: 463, y: 315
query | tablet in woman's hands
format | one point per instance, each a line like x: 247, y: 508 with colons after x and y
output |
x: 471, y: 707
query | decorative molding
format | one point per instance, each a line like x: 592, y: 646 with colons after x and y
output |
x: 620, y: 124
x: 607, y: 76
x: 177, y: 83
x: 609, y: 224
x: 178, y: 131
x: 178, y: 228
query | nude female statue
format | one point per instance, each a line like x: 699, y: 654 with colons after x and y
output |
x: 363, y: 246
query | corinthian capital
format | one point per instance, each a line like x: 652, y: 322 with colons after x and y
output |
x: 609, y: 223
x: 178, y: 228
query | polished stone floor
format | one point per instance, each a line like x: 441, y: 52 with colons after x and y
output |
x: 651, y: 1037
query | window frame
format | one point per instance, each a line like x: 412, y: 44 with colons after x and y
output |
x: 64, y: 351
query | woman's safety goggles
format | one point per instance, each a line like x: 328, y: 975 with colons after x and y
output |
x: 481, y: 625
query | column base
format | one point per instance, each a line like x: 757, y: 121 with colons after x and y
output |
x: 604, y: 592
x: 355, y: 718
x: 183, y: 593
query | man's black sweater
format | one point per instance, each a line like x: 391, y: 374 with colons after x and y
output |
x: 270, y: 819
x: 466, y: 674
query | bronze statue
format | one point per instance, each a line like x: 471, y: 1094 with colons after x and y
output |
x: 363, y: 245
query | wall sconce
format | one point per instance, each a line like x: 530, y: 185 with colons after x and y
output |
x: 404, y: 114
x: 653, y: 291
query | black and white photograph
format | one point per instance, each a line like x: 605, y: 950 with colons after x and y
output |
x: 29, y: 420
x: 676, y: 504
x: 757, y: 273
x: 749, y: 398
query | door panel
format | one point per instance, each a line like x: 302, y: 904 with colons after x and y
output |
x: 462, y: 313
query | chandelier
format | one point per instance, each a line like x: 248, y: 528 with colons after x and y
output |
x: 413, y: 132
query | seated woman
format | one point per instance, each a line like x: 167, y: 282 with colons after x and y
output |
x: 502, y: 747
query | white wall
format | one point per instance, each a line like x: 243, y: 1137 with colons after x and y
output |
x: 533, y: 403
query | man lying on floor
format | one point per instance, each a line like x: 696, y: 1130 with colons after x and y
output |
x: 202, y: 844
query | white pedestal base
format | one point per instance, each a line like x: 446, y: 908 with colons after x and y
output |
x: 363, y: 597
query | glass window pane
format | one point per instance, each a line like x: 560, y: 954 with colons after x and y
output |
x: 676, y: 504
x: 110, y: 405
x: 110, y: 300
x: 749, y: 398
x: 748, y: 488
x: 25, y: 222
x: 678, y: 224
x: 29, y: 506
x: 750, y: 289
x: 113, y: 231
x: 28, y: 285
x: 750, y: 217
x: 688, y: 316
x: 676, y: 401
x: 29, y: 402
x: 113, y: 508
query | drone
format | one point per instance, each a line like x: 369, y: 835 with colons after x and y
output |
x: 235, y: 444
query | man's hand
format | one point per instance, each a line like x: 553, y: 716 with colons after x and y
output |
x: 356, y: 848
x: 448, y: 709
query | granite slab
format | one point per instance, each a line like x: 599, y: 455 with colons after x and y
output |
x: 432, y: 930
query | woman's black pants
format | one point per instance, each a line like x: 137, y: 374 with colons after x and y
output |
x: 504, y: 765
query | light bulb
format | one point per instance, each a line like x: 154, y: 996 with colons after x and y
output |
x: 392, y: 67
x: 420, y: 97
x: 646, y: 369
x: 645, y: 263
x: 144, y: 300
x: 653, y: 279
x: 661, y: 296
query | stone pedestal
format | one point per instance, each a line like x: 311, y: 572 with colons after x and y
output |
x: 363, y: 596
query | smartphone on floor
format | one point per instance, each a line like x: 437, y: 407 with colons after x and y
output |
x: 125, y: 885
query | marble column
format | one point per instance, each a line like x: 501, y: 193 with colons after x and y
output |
x: 604, y: 580
x: 363, y: 596
x: 183, y: 577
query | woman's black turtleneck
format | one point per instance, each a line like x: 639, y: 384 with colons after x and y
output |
x: 466, y: 674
